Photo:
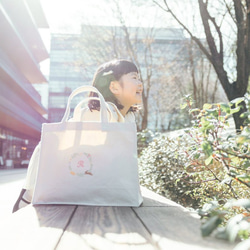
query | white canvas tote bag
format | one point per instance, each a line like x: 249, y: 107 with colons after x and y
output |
x: 88, y: 163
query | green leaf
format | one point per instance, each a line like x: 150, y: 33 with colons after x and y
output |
x: 207, y: 148
x: 243, y: 245
x: 233, y: 173
x: 213, y: 112
x: 233, y: 227
x: 208, y: 207
x: 207, y: 106
x: 246, y: 164
x: 235, y: 110
x: 183, y: 105
x: 235, y: 159
x: 221, y: 234
x: 225, y: 108
x: 209, y: 160
x: 242, y: 139
x: 212, y: 223
x: 238, y: 203
x: 221, y: 118
x: 226, y: 180
x: 197, y: 155
x: 194, y: 110
x: 238, y: 100
x: 244, y: 115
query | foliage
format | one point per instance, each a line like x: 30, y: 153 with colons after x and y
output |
x: 161, y: 169
x: 144, y: 138
x: 208, y: 165
x: 232, y: 217
x: 220, y: 45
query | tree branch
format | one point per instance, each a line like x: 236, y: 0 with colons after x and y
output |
x: 198, y: 42
x: 219, y: 34
x: 229, y: 11
x: 205, y: 17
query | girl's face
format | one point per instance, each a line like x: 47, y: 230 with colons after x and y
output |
x: 129, y: 90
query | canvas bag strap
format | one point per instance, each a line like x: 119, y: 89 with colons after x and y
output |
x: 77, y: 115
x: 103, y: 108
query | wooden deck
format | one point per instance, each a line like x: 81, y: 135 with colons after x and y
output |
x: 158, y: 224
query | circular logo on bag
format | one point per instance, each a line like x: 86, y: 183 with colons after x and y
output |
x: 80, y: 164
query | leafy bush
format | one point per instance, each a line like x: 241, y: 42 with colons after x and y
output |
x: 161, y: 169
x: 233, y: 219
x: 144, y: 138
x: 204, y: 165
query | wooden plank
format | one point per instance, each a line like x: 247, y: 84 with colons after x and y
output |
x: 177, y: 228
x: 35, y: 227
x: 105, y: 228
x: 151, y: 199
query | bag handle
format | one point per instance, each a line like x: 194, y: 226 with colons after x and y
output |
x: 77, y: 111
x: 103, y: 108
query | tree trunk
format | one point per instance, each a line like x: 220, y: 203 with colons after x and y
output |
x: 239, y: 87
x: 144, y: 122
x: 232, y: 94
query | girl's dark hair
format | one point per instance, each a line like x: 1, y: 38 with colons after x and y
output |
x: 105, y: 74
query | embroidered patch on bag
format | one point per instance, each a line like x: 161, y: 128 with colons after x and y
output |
x: 80, y: 164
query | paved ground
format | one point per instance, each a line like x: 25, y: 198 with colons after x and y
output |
x: 11, y: 182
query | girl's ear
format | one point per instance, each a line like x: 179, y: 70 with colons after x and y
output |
x: 115, y: 87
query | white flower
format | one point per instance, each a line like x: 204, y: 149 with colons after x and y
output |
x: 107, y: 73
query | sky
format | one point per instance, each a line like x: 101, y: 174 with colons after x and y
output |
x: 66, y: 16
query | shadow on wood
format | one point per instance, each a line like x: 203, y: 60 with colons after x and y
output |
x: 158, y: 224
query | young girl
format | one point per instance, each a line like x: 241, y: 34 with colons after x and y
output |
x: 119, y: 83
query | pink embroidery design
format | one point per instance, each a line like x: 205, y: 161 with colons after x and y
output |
x: 80, y: 164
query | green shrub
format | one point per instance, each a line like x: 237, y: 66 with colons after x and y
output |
x: 230, y: 221
x: 144, y: 138
x: 207, y: 164
x: 161, y: 169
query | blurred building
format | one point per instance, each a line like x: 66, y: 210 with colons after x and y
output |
x: 75, y: 57
x: 65, y: 73
x: 21, y: 51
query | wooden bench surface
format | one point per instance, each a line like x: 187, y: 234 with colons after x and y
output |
x: 158, y: 224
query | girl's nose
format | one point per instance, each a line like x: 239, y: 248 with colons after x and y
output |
x: 140, y: 84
